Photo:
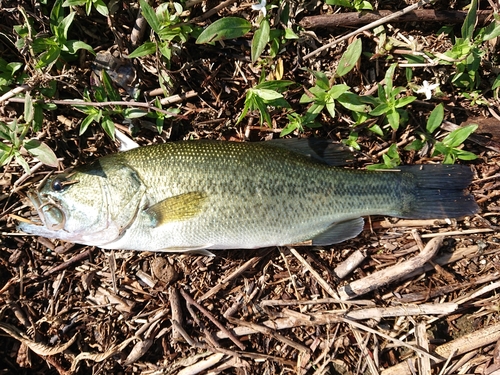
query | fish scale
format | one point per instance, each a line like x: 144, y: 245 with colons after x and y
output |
x: 219, y: 195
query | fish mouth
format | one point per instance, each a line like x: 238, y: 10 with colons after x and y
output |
x: 50, y: 212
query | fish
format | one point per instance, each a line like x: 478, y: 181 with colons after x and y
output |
x: 198, y: 195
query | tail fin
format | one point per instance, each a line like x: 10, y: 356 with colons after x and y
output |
x: 439, y: 192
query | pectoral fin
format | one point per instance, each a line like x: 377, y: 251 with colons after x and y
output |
x: 338, y: 232
x: 177, y: 208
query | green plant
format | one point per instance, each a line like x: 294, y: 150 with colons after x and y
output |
x: 225, y: 28
x: 262, y: 96
x: 169, y: 27
x: 89, y: 4
x: 359, y: 5
x: 449, y: 147
x: 276, y: 37
x: 104, y: 116
x: 47, y: 50
x: 8, y: 74
x: 391, y: 159
x: 467, y: 51
x: 324, y: 94
x: 13, y: 136
x: 390, y: 103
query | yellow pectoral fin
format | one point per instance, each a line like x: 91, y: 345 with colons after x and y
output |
x: 177, y: 208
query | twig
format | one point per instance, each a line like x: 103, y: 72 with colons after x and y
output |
x: 222, y: 284
x: 207, y: 313
x: 101, y: 104
x: 390, y: 274
x: 457, y: 232
x: 280, y: 302
x: 368, y: 27
x: 460, y: 346
x: 14, y: 92
x: 406, y: 310
x: 347, y: 266
x: 387, y: 337
x: 424, y: 362
x: 175, y: 307
x: 178, y: 97
x: 202, y: 365
x: 77, y: 258
x: 315, y: 274
x: 269, y: 332
x: 212, y: 11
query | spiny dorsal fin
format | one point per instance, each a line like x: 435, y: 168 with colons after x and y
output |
x: 321, y: 150
x: 177, y: 208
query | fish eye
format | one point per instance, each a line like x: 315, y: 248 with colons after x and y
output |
x: 57, y: 185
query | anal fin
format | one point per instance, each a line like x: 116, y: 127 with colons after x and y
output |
x: 338, y: 232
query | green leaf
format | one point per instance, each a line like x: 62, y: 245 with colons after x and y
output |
x: 260, y: 39
x: 289, y: 34
x: 435, y: 119
x: 267, y: 94
x: 496, y: 83
x: 56, y: 17
x: 28, y: 108
x: 109, y: 126
x: 393, y: 118
x: 23, y: 163
x: 330, y: 107
x: 147, y: 48
x: 49, y: 57
x: 73, y: 3
x: 416, y: 145
x: 458, y: 136
x: 379, y: 110
x: 131, y: 113
x: 65, y: 24
x: 87, y: 121
x: 74, y: 45
x: 464, y: 155
x: 275, y: 85
x: 244, y: 112
x: 349, y: 58
x: 403, y: 102
x: 101, y: 7
x: 337, y: 90
x: 112, y: 93
x: 470, y: 21
x: 491, y: 31
x: 321, y: 80
x: 352, y: 102
x: 388, y: 81
x: 224, y: 28
x: 42, y: 152
x: 150, y: 16
x: 264, y: 114
x: 38, y: 117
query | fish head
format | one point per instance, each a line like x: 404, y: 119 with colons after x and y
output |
x: 90, y: 206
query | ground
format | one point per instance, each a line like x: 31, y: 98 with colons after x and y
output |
x: 427, y: 300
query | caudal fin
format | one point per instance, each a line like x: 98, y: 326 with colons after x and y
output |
x: 439, y: 192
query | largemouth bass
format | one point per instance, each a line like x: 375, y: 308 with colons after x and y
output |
x: 224, y: 195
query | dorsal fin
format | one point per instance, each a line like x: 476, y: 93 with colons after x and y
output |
x: 321, y: 150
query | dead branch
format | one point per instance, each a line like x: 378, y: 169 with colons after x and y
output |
x: 390, y: 274
x: 361, y: 18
